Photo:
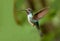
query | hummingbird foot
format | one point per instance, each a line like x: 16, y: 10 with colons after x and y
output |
x: 33, y: 25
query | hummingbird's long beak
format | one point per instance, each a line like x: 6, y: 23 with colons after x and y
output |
x: 22, y: 10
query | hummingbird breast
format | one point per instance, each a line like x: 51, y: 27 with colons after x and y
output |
x: 31, y: 20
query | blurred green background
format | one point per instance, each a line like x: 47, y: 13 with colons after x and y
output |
x: 21, y: 30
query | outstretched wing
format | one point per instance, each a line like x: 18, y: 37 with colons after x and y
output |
x: 40, y: 14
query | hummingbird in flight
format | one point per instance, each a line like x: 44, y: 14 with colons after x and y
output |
x: 33, y: 19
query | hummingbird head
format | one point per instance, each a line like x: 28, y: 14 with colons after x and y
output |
x: 28, y: 10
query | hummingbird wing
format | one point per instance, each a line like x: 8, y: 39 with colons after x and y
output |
x: 40, y: 14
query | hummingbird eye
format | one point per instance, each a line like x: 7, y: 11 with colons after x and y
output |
x: 29, y: 10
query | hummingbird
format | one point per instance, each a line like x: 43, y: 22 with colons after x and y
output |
x: 33, y: 19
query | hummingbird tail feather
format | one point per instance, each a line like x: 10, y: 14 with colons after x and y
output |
x: 37, y: 25
x: 38, y: 28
